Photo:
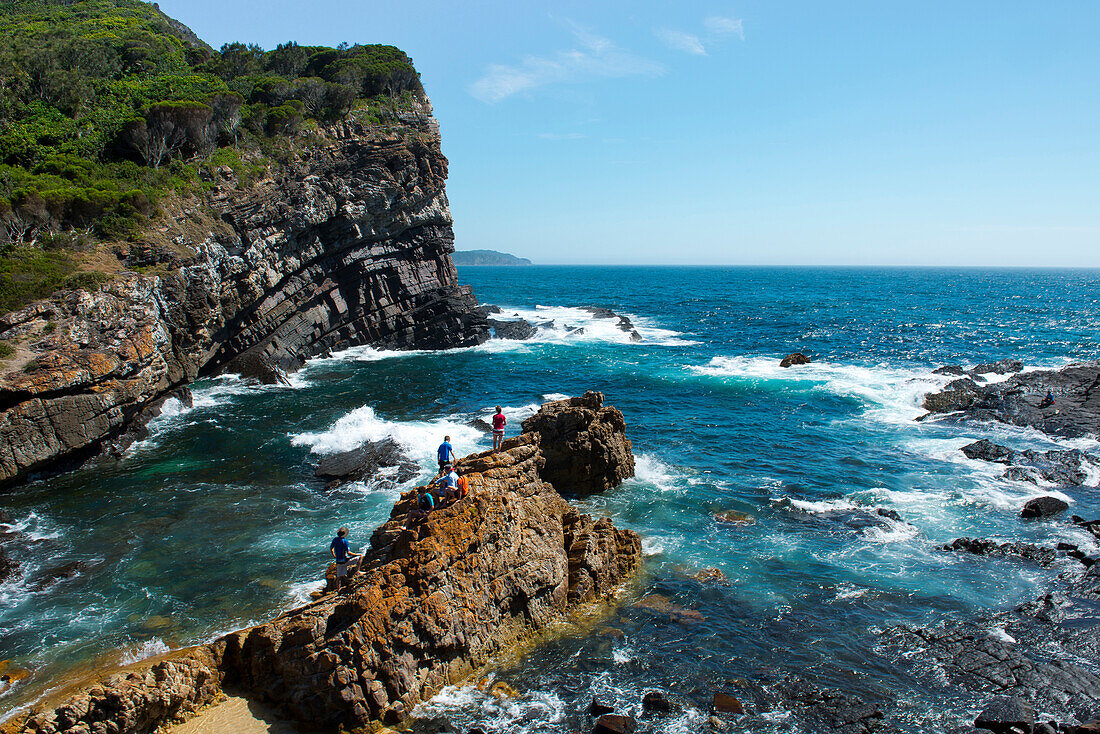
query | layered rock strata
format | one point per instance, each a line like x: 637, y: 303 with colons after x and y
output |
x: 350, y: 246
x: 433, y: 603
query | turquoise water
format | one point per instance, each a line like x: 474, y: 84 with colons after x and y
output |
x: 216, y: 522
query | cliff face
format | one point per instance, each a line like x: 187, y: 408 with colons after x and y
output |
x: 433, y: 604
x: 351, y: 246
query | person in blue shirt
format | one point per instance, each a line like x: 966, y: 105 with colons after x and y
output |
x: 444, y: 453
x: 447, y: 486
x: 341, y: 552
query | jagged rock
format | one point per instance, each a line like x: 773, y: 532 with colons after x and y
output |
x: 584, y: 444
x: 986, y: 450
x: 958, y: 395
x: 480, y: 424
x: 1007, y: 715
x: 255, y: 364
x: 1043, y: 507
x: 489, y: 309
x: 794, y: 359
x: 614, y: 724
x: 1019, y: 400
x: 517, y: 330
x: 1062, y: 467
x: 599, y: 707
x: 950, y: 369
x: 983, y: 547
x: 351, y: 246
x: 365, y: 462
x: 829, y: 710
x: 430, y: 606
x: 1003, y: 367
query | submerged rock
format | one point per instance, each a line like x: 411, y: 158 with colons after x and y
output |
x: 365, y: 462
x: 986, y: 450
x: 1061, y: 467
x: 983, y: 547
x: 1043, y: 507
x: 9, y: 567
x: 599, y: 707
x: 614, y: 724
x: 735, y: 518
x: 660, y: 702
x: 794, y: 359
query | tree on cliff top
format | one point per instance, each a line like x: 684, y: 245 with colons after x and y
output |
x: 100, y: 99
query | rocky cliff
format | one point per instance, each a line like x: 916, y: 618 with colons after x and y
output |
x: 349, y: 245
x: 433, y: 603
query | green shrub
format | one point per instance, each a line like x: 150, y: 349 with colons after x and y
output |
x: 6, y: 350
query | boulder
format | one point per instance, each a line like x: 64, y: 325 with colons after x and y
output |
x: 515, y: 330
x: 52, y: 576
x: 1046, y: 506
x: 983, y: 547
x: 659, y: 702
x: 1007, y: 715
x: 480, y: 424
x: 957, y: 395
x: 986, y: 450
x: 599, y: 707
x: 614, y: 724
x: 365, y: 462
x: 794, y: 359
x: 584, y: 444
x: 724, y: 703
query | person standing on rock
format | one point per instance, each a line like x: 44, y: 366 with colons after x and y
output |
x: 341, y: 551
x: 499, y: 421
x: 445, y: 453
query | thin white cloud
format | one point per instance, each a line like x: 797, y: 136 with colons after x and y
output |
x: 593, y: 56
x: 723, y: 26
x: 682, y: 41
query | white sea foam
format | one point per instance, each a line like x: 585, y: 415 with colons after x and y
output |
x: 555, y: 396
x: 299, y: 594
x: 532, y: 710
x: 148, y: 649
x: 651, y: 470
x: 889, y: 394
x: 576, y: 325
x: 850, y: 591
x: 1000, y: 634
x: 365, y: 354
x: 417, y: 437
x: 652, y: 546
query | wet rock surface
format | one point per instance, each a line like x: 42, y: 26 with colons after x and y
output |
x: 1019, y: 400
x: 352, y: 246
x: 983, y: 547
x: 519, y: 329
x: 794, y: 359
x: 431, y: 604
x: 624, y: 323
x: 1043, y: 507
x: 367, y: 462
x: 584, y: 444
x: 1060, y: 467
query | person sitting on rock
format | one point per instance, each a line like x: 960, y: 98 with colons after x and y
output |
x: 445, y: 453
x: 1048, y: 400
x: 425, y: 503
x: 499, y: 421
x: 462, y: 486
x: 341, y: 552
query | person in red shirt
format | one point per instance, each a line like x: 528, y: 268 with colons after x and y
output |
x: 499, y: 421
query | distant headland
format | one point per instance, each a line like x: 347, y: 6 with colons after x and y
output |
x: 487, y: 257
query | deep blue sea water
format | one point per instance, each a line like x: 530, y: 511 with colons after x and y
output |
x: 215, y: 522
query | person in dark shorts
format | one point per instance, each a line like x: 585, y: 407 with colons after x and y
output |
x: 447, y: 486
x: 341, y: 552
x: 499, y: 422
x: 425, y: 503
x: 445, y: 453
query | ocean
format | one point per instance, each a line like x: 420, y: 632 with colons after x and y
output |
x: 215, y: 521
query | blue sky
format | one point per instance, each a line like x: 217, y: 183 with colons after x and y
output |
x: 758, y: 132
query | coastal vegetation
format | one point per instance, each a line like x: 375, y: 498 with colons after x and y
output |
x: 108, y: 107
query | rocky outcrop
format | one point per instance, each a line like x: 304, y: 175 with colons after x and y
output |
x: 366, y: 462
x: 351, y: 245
x: 436, y: 599
x: 1045, y: 506
x: 584, y: 444
x: 518, y: 329
x: 984, y: 547
x: 1020, y: 400
x: 1060, y: 467
x: 624, y: 323
x: 794, y: 359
